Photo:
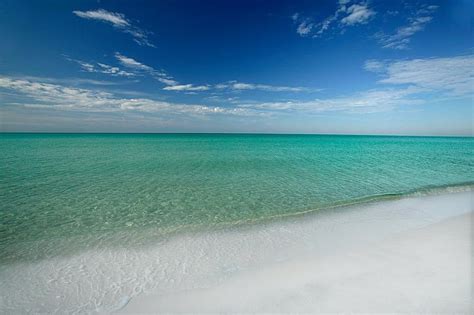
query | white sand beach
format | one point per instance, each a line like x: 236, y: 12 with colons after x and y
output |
x: 412, y: 255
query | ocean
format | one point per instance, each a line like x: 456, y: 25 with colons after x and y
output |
x: 62, y: 193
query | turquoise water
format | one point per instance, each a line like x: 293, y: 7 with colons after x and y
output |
x: 108, y: 188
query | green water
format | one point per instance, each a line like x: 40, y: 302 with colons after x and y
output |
x: 61, y: 186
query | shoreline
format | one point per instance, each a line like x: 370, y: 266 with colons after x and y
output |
x: 394, y: 276
x: 407, y: 270
x: 182, y: 268
x: 149, y: 237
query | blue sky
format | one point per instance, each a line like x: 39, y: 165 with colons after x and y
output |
x: 357, y: 67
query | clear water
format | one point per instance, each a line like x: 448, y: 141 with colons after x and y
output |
x: 100, y: 189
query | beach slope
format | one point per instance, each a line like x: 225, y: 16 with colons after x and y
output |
x: 411, y: 255
x: 423, y: 269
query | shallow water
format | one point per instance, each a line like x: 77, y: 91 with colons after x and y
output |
x: 306, y: 264
x: 94, y: 187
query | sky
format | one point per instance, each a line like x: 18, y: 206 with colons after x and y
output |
x: 336, y: 67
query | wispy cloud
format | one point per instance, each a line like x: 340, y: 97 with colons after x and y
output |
x: 234, y: 85
x: 114, y: 71
x: 371, y: 101
x: 222, y: 99
x: 60, y: 97
x: 101, y: 68
x: 41, y: 95
x: 357, y: 14
x: 167, y: 81
x: 374, y: 66
x: 237, y: 86
x: 404, y: 83
x: 304, y: 28
x: 344, y: 16
x: 402, y: 36
x: 453, y: 75
x: 69, y: 81
x: 132, y: 63
x: 186, y: 87
x: 118, y: 21
x: 139, y: 67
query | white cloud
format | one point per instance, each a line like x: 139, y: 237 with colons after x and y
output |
x: 358, y: 14
x: 132, y: 63
x: 234, y: 85
x: 101, y: 68
x: 364, y: 102
x: 69, y: 81
x: 186, y: 87
x: 221, y: 99
x: 450, y: 78
x: 401, y: 38
x: 167, y: 81
x: 59, y: 97
x: 114, y: 71
x: 50, y: 94
x: 407, y: 83
x: 374, y: 66
x: 139, y: 67
x: 118, y: 21
x: 173, y: 85
x: 88, y: 67
x: 305, y: 25
x: 324, y: 25
x: 42, y: 95
x: 453, y: 75
x: 304, y: 28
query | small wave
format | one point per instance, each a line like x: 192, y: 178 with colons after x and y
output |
x: 419, y: 192
x: 437, y: 190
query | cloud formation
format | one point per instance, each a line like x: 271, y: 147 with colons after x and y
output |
x: 374, y: 66
x: 101, y: 68
x: 453, y: 75
x: 401, y: 38
x: 139, y: 67
x: 132, y: 63
x: 59, y: 97
x: 405, y: 83
x: 119, y: 22
x: 239, y: 86
x: 41, y: 95
x: 304, y: 28
x: 344, y: 16
x: 357, y: 14
x: 409, y: 81
x: 186, y: 87
x: 371, y: 101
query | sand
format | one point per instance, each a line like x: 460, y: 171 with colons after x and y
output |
x: 412, y: 255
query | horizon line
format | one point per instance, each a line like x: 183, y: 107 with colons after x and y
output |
x: 238, y: 133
